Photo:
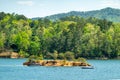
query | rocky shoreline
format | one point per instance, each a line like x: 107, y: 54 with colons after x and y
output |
x: 55, y: 63
x: 9, y: 55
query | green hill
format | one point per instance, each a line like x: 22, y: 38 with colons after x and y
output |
x: 108, y: 13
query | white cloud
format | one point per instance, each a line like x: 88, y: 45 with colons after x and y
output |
x: 111, y: 3
x: 28, y: 3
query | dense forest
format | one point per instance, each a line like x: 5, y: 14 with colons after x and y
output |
x: 108, y: 13
x: 70, y: 36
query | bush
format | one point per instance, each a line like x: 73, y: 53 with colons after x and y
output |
x: 40, y: 57
x: 55, y: 55
x: 69, y: 56
x: 82, y: 60
x: 49, y: 56
x: 23, y: 54
x: 34, y: 57
x: 61, y: 56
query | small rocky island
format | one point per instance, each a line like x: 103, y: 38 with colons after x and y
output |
x: 55, y: 63
x: 56, y: 60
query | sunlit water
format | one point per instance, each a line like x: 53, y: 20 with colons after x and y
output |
x: 12, y: 69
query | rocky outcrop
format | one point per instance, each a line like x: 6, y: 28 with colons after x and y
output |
x: 9, y: 55
x: 14, y: 55
x: 55, y: 63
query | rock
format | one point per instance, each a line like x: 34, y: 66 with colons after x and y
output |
x: 76, y: 63
x: 26, y: 63
x: 14, y: 55
x: 55, y: 63
x: 9, y: 55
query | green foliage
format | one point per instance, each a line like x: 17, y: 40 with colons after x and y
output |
x: 49, y: 56
x: 69, y: 55
x: 22, y: 38
x: 40, y: 57
x: 82, y: 60
x: 55, y: 55
x: 34, y: 57
x: 34, y: 47
x: 2, y: 40
x: 52, y: 55
x: 23, y: 54
x: 61, y: 56
x: 68, y: 38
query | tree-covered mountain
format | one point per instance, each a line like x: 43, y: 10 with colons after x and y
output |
x: 108, y: 13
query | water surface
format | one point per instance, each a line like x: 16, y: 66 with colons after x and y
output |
x: 12, y: 69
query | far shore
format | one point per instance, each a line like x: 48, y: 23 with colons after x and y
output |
x: 15, y: 55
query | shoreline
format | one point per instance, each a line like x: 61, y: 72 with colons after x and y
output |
x: 50, y: 59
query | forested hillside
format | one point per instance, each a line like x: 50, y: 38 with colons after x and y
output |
x: 69, y: 36
x: 110, y: 14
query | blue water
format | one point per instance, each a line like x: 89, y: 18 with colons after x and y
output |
x: 12, y: 69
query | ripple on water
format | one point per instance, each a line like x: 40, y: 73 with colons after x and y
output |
x: 104, y: 70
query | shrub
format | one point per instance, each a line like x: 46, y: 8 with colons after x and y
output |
x: 34, y: 57
x: 55, y: 55
x: 69, y: 55
x: 40, y: 57
x: 82, y: 60
x: 23, y: 54
x: 49, y: 56
x: 61, y: 56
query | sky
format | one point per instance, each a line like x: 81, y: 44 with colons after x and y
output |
x: 42, y: 8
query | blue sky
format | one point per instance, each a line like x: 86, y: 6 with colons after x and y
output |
x: 41, y: 8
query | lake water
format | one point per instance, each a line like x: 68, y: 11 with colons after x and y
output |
x: 12, y: 69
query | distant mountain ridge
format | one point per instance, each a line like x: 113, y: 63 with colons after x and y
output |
x: 108, y: 13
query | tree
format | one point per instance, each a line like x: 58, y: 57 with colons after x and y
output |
x: 34, y: 48
x: 2, y: 41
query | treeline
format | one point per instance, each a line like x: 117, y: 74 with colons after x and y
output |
x: 70, y: 36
